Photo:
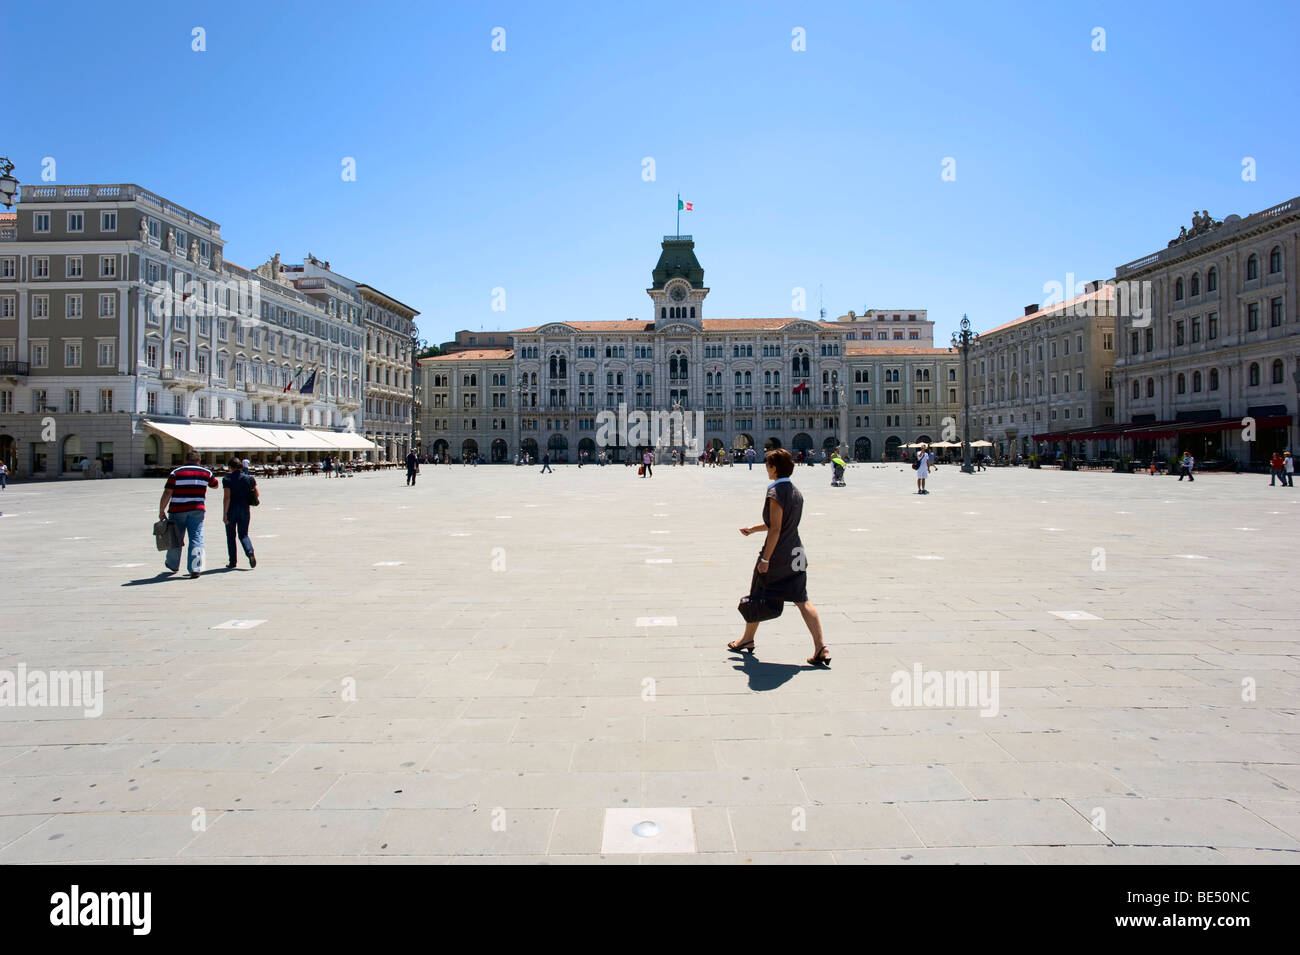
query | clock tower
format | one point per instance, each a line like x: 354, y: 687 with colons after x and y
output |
x: 678, y: 290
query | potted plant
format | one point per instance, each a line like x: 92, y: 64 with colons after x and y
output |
x: 1124, y: 465
x: 1033, y: 461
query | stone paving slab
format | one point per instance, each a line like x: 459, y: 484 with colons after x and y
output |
x: 412, y: 696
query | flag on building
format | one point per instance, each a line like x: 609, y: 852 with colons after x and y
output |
x: 802, y: 386
x: 308, y: 386
x: 289, y: 384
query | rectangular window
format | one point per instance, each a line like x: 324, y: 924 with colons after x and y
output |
x: 108, y: 222
x: 106, y: 352
x: 1275, y: 313
x: 108, y: 305
x: 40, y: 222
x: 41, y: 267
x: 40, y: 400
x: 40, y: 352
x: 1252, y: 317
x: 106, y: 400
x: 108, y: 266
x: 151, y: 402
x: 1178, y: 333
x: 178, y: 405
x: 73, y: 402
x: 76, y: 222
x: 6, y: 402
x: 8, y: 307
x: 73, y: 266
x: 8, y: 267
x: 1212, y: 326
x: 72, y: 354
x: 1196, y: 330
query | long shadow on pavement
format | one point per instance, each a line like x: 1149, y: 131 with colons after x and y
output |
x: 767, y: 676
x: 163, y: 577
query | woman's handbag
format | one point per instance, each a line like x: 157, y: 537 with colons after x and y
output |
x: 253, y: 498
x: 758, y: 606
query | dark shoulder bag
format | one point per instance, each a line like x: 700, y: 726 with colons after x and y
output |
x: 253, y: 498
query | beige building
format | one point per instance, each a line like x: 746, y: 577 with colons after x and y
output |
x: 1042, y: 382
x: 1216, y: 369
x: 125, y: 337
x: 788, y: 382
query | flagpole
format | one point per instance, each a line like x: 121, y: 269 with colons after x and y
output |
x: 679, y: 215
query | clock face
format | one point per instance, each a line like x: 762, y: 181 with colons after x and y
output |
x: 678, y: 294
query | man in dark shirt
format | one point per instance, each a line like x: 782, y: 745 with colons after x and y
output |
x: 412, y: 468
x: 182, y: 504
x: 235, y: 511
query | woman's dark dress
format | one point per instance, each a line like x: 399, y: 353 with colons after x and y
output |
x: 786, y: 578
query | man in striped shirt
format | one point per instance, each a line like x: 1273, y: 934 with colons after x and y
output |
x: 182, y: 504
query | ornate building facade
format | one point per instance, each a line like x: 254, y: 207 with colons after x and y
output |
x: 1216, y: 367
x: 125, y: 337
x: 791, y: 382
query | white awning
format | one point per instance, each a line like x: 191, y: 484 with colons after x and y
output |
x: 213, y: 437
x: 288, y: 440
x: 346, y: 440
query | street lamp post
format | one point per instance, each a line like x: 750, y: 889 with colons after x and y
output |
x: 8, y: 184
x: 519, y: 416
x: 417, y: 345
x: 963, y: 342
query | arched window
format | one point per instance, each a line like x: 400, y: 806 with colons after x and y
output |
x: 1137, y: 389
x: 1214, y: 379
x: 1212, y: 280
x: 663, y: 313
x: 672, y: 367
x: 692, y: 311
x: 1252, y: 267
x: 1151, y: 387
x: 1254, y: 373
x: 681, y: 367
x: 1275, y: 260
x: 564, y: 367
x: 1278, y: 371
x: 555, y: 365
x: 1178, y: 290
x: 1182, y: 383
x: 1196, y: 381
x: 1196, y: 283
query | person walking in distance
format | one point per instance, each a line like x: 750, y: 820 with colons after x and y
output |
x: 648, y: 460
x: 749, y: 456
x: 1288, y: 468
x: 236, y: 511
x: 1185, y: 466
x: 4, y: 475
x: 546, y: 463
x: 182, y: 503
x: 781, y: 574
x: 837, y: 470
x: 412, y: 468
x: 1277, y: 470
x: 922, y: 467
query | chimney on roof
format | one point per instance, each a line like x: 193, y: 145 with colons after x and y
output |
x: 1030, y: 309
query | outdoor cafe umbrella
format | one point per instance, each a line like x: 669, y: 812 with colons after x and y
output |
x: 981, y: 444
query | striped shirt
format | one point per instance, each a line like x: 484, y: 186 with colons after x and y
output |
x: 189, y: 485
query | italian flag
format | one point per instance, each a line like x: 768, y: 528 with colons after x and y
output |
x: 687, y: 206
x: 802, y: 386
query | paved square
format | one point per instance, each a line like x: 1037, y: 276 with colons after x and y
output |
x: 489, y: 663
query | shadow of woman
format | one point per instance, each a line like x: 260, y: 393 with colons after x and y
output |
x: 767, y: 676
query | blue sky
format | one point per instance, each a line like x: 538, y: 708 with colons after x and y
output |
x: 816, y: 169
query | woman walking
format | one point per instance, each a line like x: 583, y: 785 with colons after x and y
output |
x: 781, y: 573
x: 922, y: 466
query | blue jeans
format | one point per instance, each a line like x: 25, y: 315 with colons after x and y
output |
x: 191, y: 523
